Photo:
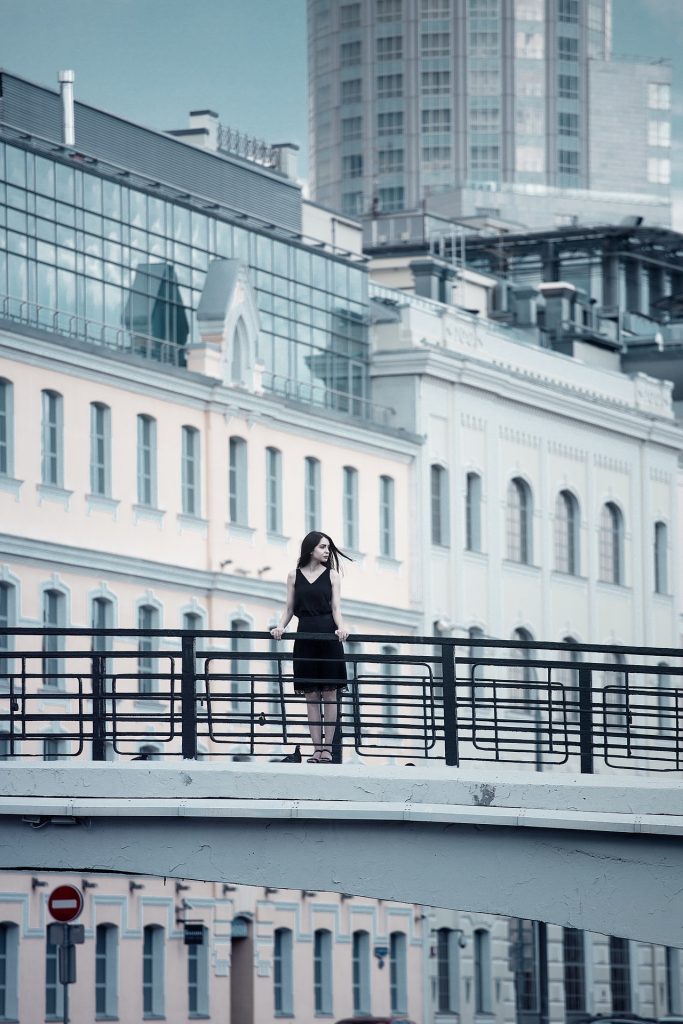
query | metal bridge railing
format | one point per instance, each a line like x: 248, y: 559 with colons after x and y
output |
x: 67, y: 693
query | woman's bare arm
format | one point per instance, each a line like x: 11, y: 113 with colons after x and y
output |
x: 341, y: 630
x: 278, y: 630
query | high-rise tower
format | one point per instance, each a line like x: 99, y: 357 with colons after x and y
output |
x: 484, y: 106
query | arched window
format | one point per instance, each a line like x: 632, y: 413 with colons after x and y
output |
x: 198, y: 977
x: 482, y: 971
x: 574, y: 970
x: 240, y: 354
x: 361, y: 972
x: 620, y: 974
x: 611, y: 544
x: 439, y: 505
x: 54, y: 616
x: 567, y: 533
x: 322, y: 970
x: 9, y: 971
x: 283, y: 986
x: 569, y: 679
x: 52, y: 470
x: 661, y: 558
x: 473, y: 512
x: 147, y: 461
x: 148, y: 618
x: 524, y: 673
x: 153, y: 984
x: 238, y: 482
x: 311, y: 493
x: 106, y: 970
x: 6, y: 428
x: 273, y: 490
x: 350, y: 508
x: 616, y: 694
x: 54, y: 991
x: 398, y: 972
x: 8, y: 612
x: 100, y: 449
x: 448, y: 970
x: 191, y: 487
x: 386, y: 517
x: 519, y: 521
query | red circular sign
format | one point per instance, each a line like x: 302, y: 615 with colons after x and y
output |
x: 65, y: 903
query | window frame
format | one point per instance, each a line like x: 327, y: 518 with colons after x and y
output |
x: 100, y: 450
x: 153, y: 971
x: 350, y: 507
x: 191, y: 486
x: 147, y: 461
x: 238, y: 481
x: 52, y: 430
x: 273, y: 491
x: 6, y: 428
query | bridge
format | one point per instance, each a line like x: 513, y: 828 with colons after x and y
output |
x: 603, y: 854
x: 530, y: 780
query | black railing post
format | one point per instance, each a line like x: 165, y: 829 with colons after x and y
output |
x: 99, y: 709
x: 188, y: 697
x: 585, y: 719
x: 450, y: 710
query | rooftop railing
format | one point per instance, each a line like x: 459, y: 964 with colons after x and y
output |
x: 101, y: 694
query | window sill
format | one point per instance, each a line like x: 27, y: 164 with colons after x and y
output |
x: 509, y: 563
x: 277, y: 538
x: 479, y: 556
x: 199, y: 1016
x: 240, y: 530
x: 357, y: 556
x: 102, y: 503
x: 284, y: 1015
x: 49, y: 492
x: 611, y: 585
x: 194, y: 523
x: 148, y: 513
x: 441, y: 548
x: 12, y: 486
x: 568, y: 577
x: 388, y: 563
x: 658, y: 596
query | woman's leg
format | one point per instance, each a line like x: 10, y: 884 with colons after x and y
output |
x: 328, y: 698
x: 313, y: 710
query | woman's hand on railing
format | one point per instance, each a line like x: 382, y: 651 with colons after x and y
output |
x: 342, y: 634
x: 277, y: 632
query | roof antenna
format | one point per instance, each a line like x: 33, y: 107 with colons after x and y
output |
x: 66, y: 88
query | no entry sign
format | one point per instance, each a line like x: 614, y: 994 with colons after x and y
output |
x: 65, y: 903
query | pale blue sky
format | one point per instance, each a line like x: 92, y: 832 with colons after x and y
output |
x: 155, y: 60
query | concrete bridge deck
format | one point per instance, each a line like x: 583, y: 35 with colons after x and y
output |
x: 603, y: 853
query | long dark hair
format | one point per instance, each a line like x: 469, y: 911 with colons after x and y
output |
x: 311, y: 541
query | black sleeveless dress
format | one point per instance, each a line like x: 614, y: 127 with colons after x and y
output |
x: 318, y: 664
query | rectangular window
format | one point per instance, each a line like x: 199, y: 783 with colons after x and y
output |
x: 390, y: 123
x: 100, y: 449
x: 568, y: 161
x: 484, y: 116
x: 282, y: 972
x: 106, y: 970
x: 398, y: 989
x: 659, y: 96
x: 620, y: 974
x: 350, y: 508
x: 529, y: 45
x: 389, y: 10
x: 568, y: 124
x: 389, y: 86
x: 352, y: 91
x: 484, y: 159
x: 54, y: 617
x: 386, y: 516
x: 361, y: 972
x: 148, y: 618
x: 54, y: 991
x: 191, y: 495
x: 435, y: 44
x: 352, y: 204
x: 390, y: 161
x: 574, y: 971
x: 153, y: 971
x: 484, y: 43
x: 350, y: 54
x: 391, y: 199
x: 659, y: 170
x: 53, y: 439
x: 435, y: 8
x: 322, y: 971
x: 389, y: 48
x: 237, y: 497
x: 349, y: 16
x: 312, y: 494
x: 568, y: 87
x: 352, y: 166
x: 351, y: 128
x: 147, y: 461
x: 567, y: 48
x: 439, y: 505
x: 198, y: 977
x: 568, y: 11
x: 435, y: 83
x: 436, y: 157
x: 6, y: 428
x: 436, y: 120
x: 273, y: 491
x: 659, y: 133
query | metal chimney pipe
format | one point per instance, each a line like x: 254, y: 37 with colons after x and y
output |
x: 66, y: 88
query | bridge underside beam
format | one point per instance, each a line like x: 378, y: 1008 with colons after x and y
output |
x: 626, y: 885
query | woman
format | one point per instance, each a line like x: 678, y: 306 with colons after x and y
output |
x: 313, y: 595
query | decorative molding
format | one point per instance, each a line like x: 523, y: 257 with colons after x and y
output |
x: 11, y: 485
x: 661, y: 475
x: 473, y: 422
x: 146, y: 513
x: 100, y: 503
x: 48, y: 492
x: 519, y: 437
x: 567, y: 451
x: 193, y: 524
x: 607, y: 462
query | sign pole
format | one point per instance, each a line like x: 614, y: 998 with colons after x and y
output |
x: 65, y: 987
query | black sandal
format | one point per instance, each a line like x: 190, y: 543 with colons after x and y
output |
x: 316, y: 757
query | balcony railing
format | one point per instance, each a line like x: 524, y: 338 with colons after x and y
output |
x: 67, y: 693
